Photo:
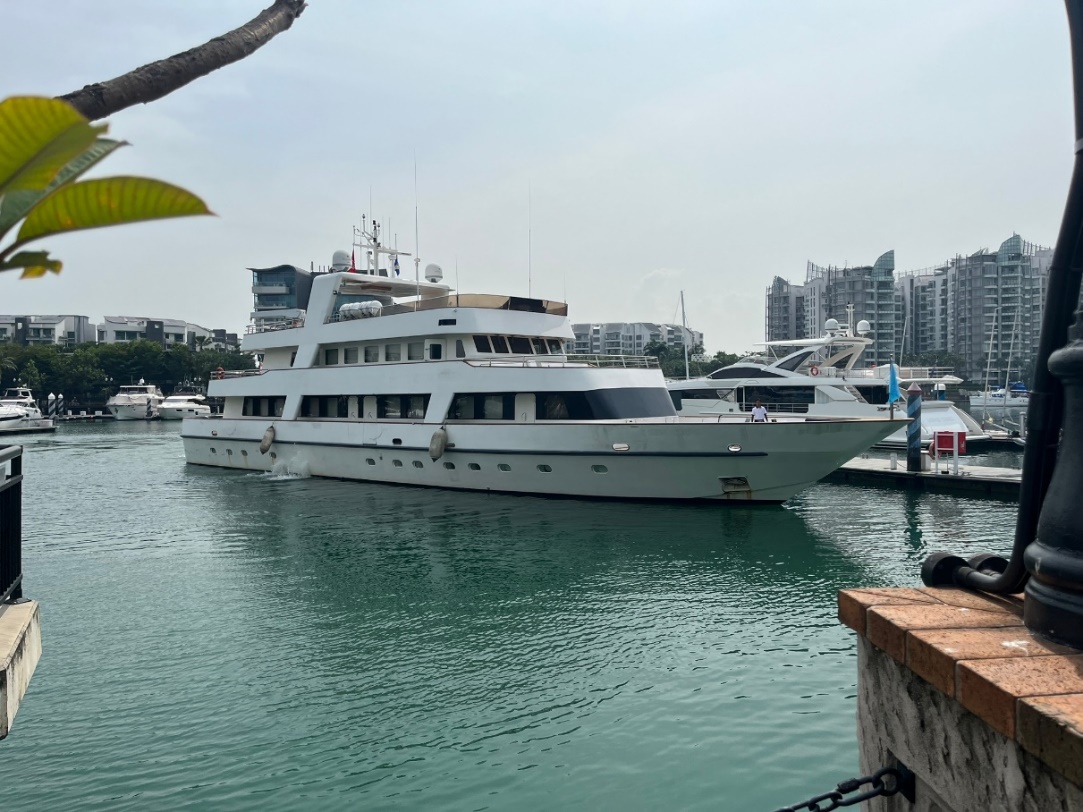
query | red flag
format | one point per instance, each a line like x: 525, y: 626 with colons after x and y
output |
x: 353, y: 265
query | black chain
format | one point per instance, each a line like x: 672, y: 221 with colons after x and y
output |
x: 899, y: 778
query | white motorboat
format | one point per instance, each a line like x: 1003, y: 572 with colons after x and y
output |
x: 20, y: 414
x: 181, y: 405
x: 137, y: 402
x: 406, y: 382
x: 818, y: 377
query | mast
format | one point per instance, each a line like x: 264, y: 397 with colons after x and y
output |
x: 989, y: 365
x: 529, y: 254
x: 417, y: 250
x: 684, y: 337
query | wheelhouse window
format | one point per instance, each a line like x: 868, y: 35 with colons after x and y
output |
x: 481, y: 344
x: 539, y: 346
x: 555, y: 347
x: 520, y: 345
x: 460, y: 350
x: 500, y: 344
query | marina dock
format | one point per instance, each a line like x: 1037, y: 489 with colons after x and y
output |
x: 972, y: 480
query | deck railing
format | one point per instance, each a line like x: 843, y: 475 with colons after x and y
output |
x: 544, y: 361
x: 11, y: 523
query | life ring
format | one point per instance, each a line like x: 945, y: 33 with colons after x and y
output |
x: 814, y: 371
x: 219, y: 374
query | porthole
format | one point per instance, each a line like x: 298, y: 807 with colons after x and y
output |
x: 545, y: 469
x: 418, y: 464
x: 274, y: 456
x: 214, y: 450
x: 370, y: 461
x: 244, y: 453
x: 229, y: 451
x: 473, y: 466
x: 397, y: 463
x: 396, y: 441
x: 450, y: 466
x: 599, y: 469
x: 503, y: 467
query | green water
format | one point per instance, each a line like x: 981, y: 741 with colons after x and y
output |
x: 223, y: 640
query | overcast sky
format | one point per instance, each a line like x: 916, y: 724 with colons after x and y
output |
x: 704, y: 146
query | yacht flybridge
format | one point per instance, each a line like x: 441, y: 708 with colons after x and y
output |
x: 819, y: 377
x: 408, y: 382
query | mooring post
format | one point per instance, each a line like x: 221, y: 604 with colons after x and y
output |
x: 913, y: 429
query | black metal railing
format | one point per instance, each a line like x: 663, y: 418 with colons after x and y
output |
x: 11, y: 523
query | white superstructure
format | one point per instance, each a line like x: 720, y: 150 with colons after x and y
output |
x: 136, y: 402
x: 406, y: 382
x: 818, y: 377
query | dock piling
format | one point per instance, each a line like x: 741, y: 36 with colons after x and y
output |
x: 913, y: 430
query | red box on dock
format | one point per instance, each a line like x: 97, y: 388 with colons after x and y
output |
x: 944, y: 442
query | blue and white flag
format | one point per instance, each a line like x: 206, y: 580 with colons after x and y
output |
x: 893, y: 393
x: 395, y: 263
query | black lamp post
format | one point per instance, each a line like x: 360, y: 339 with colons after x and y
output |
x: 1047, y: 557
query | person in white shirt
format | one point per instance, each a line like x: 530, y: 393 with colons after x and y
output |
x: 759, y: 413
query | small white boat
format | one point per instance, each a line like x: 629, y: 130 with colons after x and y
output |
x: 139, y: 402
x: 184, y: 404
x: 1014, y: 397
x: 19, y: 413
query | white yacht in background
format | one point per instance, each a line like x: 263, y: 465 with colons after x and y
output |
x: 1014, y: 396
x: 184, y: 404
x: 406, y: 382
x: 137, y: 402
x: 817, y: 377
x: 19, y: 413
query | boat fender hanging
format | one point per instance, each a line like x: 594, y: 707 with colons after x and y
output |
x: 438, y: 443
x: 814, y: 371
x: 268, y: 438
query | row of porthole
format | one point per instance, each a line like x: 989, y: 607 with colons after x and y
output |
x: 473, y: 466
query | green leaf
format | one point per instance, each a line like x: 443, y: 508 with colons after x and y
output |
x: 107, y: 202
x: 14, y: 206
x: 33, y: 263
x: 38, y: 137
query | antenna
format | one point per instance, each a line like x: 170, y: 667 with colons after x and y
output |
x: 684, y: 337
x: 457, y: 291
x: 528, y: 246
x: 417, y: 250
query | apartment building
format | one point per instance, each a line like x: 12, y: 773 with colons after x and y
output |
x: 631, y: 338
x: 64, y: 331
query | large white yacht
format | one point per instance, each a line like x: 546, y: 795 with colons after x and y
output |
x: 407, y: 382
x: 137, y: 402
x: 818, y: 377
x: 20, y: 414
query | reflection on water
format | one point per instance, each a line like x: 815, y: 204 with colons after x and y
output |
x: 226, y: 639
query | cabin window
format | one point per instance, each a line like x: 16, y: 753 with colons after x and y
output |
x: 481, y: 344
x: 293, y: 357
x: 372, y: 354
x: 555, y: 347
x: 460, y: 350
x: 330, y: 357
x: 446, y: 322
x: 563, y: 406
x: 498, y: 407
x: 778, y: 398
x: 462, y: 408
x: 279, y: 406
x: 539, y: 346
x: 436, y: 351
x: 500, y: 344
x: 393, y: 352
x: 415, y: 406
x: 415, y: 351
x: 349, y: 355
x: 701, y: 394
x: 389, y: 407
x: 520, y: 345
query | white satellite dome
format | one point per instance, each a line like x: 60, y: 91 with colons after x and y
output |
x: 433, y: 272
x: 340, y: 261
x: 831, y: 325
x: 863, y: 327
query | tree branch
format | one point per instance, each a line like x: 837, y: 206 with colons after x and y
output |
x: 158, y: 79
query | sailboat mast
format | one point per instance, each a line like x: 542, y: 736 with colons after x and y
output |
x: 684, y: 337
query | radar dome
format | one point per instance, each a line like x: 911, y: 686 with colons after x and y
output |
x: 340, y: 261
x: 433, y: 272
x: 831, y: 325
x: 863, y: 327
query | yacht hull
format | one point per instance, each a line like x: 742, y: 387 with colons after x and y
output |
x: 181, y: 412
x: 132, y: 412
x: 716, y: 460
